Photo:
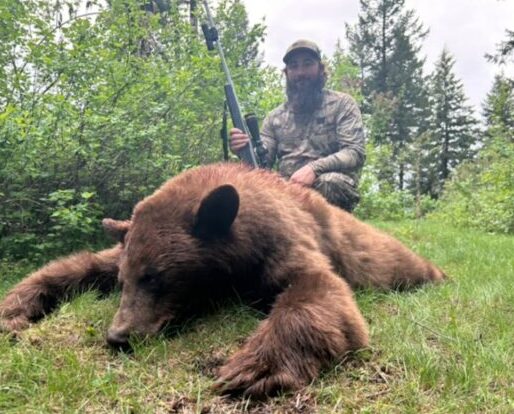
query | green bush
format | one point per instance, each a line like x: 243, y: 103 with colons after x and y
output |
x: 481, y: 193
x: 100, y: 111
x: 380, y: 200
x: 73, y: 223
x: 75, y: 220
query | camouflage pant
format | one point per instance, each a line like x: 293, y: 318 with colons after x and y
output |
x: 338, y: 189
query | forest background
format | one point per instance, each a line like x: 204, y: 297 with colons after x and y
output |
x: 101, y: 102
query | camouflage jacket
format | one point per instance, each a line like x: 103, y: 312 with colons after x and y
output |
x: 330, y: 140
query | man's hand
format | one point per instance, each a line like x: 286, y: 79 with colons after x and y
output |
x: 238, y: 140
x: 304, y: 176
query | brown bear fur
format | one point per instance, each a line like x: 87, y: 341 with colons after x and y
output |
x: 223, y: 229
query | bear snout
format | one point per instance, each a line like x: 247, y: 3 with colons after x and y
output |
x: 118, y: 340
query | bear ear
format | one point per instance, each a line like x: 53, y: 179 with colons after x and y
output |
x: 217, y: 212
x: 117, y: 229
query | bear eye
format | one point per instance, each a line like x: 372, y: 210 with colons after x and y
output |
x: 150, y: 278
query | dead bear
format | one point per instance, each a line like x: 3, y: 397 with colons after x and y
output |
x: 222, y: 229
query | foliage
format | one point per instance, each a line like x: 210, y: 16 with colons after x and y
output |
x: 344, y: 75
x: 481, y: 193
x: 111, y: 102
x: 73, y: 220
x: 380, y: 200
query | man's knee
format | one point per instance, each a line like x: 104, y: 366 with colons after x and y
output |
x: 338, y: 190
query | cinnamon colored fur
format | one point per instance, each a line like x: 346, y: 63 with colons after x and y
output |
x: 222, y: 229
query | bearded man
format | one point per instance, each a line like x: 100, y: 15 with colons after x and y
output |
x: 317, y: 135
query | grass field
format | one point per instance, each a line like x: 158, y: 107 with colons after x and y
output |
x: 440, y: 349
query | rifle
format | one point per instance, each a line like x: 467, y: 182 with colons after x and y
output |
x: 250, y: 125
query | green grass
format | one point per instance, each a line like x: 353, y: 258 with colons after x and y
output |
x: 440, y: 349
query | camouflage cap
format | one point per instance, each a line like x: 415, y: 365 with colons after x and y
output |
x: 302, y: 44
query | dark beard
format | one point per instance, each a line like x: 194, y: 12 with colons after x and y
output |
x: 307, y: 97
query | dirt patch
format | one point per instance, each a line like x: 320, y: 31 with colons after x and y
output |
x: 298, y: 403
x: 210, y: 364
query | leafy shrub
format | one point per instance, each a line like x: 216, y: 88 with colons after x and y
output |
x: 74, y: 222
x: 481, y: 193
x: 379, y: 197
x: 100, y: 111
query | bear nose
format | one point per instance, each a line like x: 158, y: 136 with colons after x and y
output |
x: 118, y: 340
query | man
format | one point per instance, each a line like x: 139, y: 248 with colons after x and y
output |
x: 317, y: 134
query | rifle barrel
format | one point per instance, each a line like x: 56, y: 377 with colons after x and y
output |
x: 247, y: 154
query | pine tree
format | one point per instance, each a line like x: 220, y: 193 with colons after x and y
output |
x: 385, y: 39
x: 385, y: 43
x: 481, y: 192
x: 453, y: 125
x: 498, y: 108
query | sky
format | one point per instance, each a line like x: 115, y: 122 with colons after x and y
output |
x: 467, y: 28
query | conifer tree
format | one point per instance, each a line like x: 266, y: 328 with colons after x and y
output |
x: 386, y: 43
x: 498, y: 108
x: 453, y: 125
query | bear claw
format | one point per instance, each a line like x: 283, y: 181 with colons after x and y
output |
x: 251, y: 379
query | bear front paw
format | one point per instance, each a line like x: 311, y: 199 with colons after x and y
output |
x: 245, y: 375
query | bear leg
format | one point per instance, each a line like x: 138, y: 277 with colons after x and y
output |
x: 313, y: 322
x: 39, y: 293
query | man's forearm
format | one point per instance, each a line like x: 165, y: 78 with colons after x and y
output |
x: 347, y: 160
